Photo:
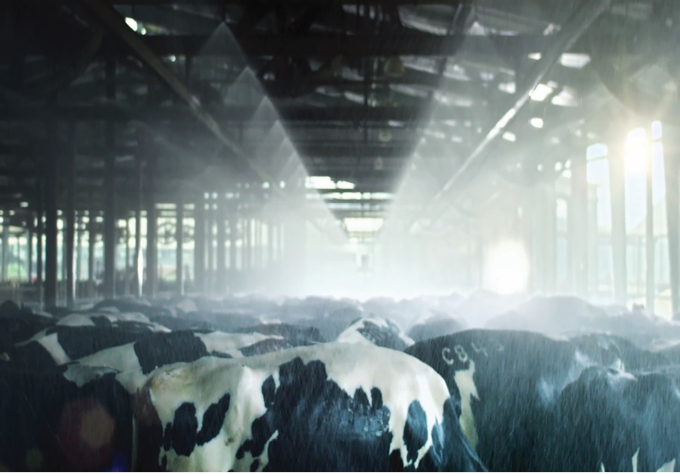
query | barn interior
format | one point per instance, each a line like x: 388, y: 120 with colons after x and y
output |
x: 339, y: 148
x: 340, y: 235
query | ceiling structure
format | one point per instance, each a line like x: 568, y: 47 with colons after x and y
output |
x: 415, y: 97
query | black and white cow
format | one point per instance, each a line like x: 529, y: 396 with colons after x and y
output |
x: 508, y: 383
x: 52, y: 424
x: 134, y: 361
x: 439, y: 325
x: 611, y: 420
x: 378, y: 331
x: 319, y: 408
x: 77, y: 336
x: 512, y: 387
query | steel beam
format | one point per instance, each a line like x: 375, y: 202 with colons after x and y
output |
x: 235, y: 114
x: 116, y: 23
x: 586, y: 13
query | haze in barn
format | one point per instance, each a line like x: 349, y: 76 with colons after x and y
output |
x: 304, y: 235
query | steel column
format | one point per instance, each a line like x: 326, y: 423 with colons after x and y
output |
x: 578, y: 214
x: 672, y: 176
x: 221, y: 214
x: 617, y: 180
x: 5, y: 243
x: 40, y: 229
x: 110, y: 222
x: 91, y: 244
x: 649, y: 234
x: 51, y: 198
x: 151, y: 228
x: 139, y: 262
x: 210, y: 220
x: 179, y: 238
x: 70, y: 217
x: 199, y: 242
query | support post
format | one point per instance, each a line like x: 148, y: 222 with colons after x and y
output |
x: 233, y: 238
x: 578, y: 213
x: 617, y: 179
x: 220, y: 215
x: 673, y: 223
x: 110, y: 190
x: 5, y: 242
x: 91, y: 245
x: 40, y: 229
x: 139, y: 263
x: 210, y: 242
x: 199, y: 242
x: 649, y: 235
x: 151, y: 228
x: 70, y: 217
x: 179, y: 238
x: 29, y: 257
x: 51, y: 197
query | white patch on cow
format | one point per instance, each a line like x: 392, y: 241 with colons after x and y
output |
x: 51, y: 344
x: 352, y: 334
x: 187, y: 305
x: 80, y: 375
x: 466, y: 386
x: 668, y: 467
x: 230, y: 343
x: 401, y: 379
x: 4, y: 357
x: 121, y: 358
x: 264, y: 458
x: 76, y: 320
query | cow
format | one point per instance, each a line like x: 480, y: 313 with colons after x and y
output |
x: 54, y: 424
x: 435, y: 326
x: 612, y: 420
x: 508, y: 383
x: 378, y: 331
x: 77, y: 336
x: 315, y: 408
x: 134, y: 361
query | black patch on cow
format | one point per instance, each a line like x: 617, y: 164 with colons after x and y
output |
x: 255, y: 464
x: 164, y: 463
x: 376, y: 399
x: 31, y: 356
x: 181, y: 434
x: 297, y: 335
x: 380, y: 336
x: 213, y: 420
x: 160, y: 349
x: 339, y: 432
x: 82, y: 341
x: 221, y: 355
x: 265, y: 346
x: 415, y: 431
x: 34, y: 408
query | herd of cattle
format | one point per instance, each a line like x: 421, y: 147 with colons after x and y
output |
x: 253, y: 384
